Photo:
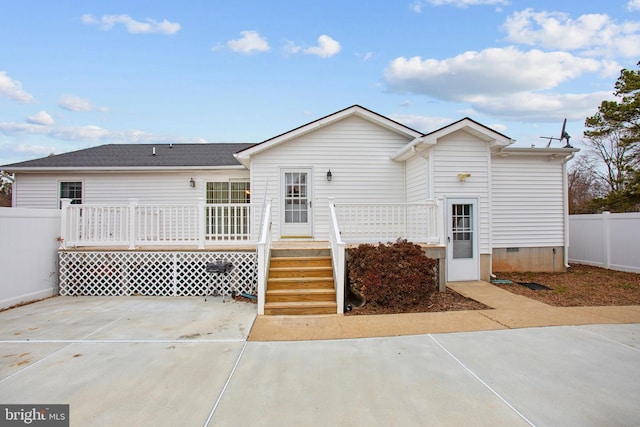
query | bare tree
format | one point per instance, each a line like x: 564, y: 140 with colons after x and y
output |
x: 584, y: 186
x: 612, y: 160
x: 5, y: 192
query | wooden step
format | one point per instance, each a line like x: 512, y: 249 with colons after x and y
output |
x: 300, y: 282
x: 300, y: 308
x: 300, y: 295
x: 279, y: 272
x: 322, y: 261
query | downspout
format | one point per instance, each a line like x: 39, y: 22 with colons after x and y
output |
x: 565, y: 182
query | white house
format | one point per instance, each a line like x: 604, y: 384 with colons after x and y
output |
x: 462, y: 188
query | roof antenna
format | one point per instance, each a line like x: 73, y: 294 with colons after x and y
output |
x: 563, y: 135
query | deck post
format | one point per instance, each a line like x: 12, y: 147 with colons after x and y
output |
x: 133, y: 207
x: 201, y: 222
x: 64, y: 222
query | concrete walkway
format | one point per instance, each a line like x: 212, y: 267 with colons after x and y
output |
x: 185, y: 362
x: 509, y: 311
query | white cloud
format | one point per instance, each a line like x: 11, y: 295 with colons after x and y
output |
x: 92, y: 134
x: 107, y: 22
x: 327, y: 47
x: 42, y: 118
x: 77, y: 104
x: 13, y: 89
x: 291, y: 48
x: 420, y: 123
x: 250, y: 41
x: 595, y: 34
x: 541, y: 106
x: 417, y: 5
x: 633, y: 5
x: 491, y: 72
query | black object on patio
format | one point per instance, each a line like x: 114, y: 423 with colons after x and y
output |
x: 217, y: 269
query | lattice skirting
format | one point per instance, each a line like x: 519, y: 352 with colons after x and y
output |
x: 154, y: 273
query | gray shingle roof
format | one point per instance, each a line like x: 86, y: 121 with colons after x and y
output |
x: 140, y: 156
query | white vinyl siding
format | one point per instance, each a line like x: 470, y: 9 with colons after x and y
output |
x: 528, y: 201
x: 357, y: 152
x: 40, y: 190
x: 461, y: 152
x: 417, y: 179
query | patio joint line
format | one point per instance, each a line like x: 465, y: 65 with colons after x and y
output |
x: 494, y: 320
x: 608, y: 338
x: 224, y: 388
x: 122, y: 341
x: 520, y: 414
x: 37, y: 362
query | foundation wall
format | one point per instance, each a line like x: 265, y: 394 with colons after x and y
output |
x: 549, y: 259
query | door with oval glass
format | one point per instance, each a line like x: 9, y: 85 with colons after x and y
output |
x: 296, y: 214
x: 463, y: 262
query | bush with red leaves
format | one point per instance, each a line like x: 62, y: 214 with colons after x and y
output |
x: 393, y: 275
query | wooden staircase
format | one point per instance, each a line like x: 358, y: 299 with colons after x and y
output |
x: 300, y: 282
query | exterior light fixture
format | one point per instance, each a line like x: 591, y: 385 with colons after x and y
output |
x: 192, y: 183
x: 462, y: 177
x: 329, y: 175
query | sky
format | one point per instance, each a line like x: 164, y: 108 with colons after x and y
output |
x: 76, y: 74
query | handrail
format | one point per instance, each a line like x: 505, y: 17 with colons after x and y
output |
x: 337, y: 256
x: 263, y: 249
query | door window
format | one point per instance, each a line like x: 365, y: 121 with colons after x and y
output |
x: 462, y: 230
x: 296, y: 198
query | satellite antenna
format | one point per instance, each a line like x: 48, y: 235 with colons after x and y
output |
x: 563, y: 135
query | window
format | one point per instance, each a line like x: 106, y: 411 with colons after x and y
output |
x: 228, y: 192
x: 228, y: 222
x: 71, y: 190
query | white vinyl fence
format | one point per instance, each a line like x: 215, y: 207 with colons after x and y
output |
x: 606, y: 240
x: 28, y: 254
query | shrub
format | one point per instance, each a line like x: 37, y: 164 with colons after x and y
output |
x: 394, y: 275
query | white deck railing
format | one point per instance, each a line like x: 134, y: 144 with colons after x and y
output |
x: 387, y: 222
x: 263, y: 249
x: 338, y: 257
x: 136, y: 224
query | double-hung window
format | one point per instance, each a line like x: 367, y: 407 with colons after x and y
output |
x: 71, y: 190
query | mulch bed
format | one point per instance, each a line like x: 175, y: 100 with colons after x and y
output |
x: 439, y: 301
x: 581, y: 286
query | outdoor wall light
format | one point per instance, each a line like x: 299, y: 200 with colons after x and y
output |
x: 192, y: 183
x: 329, y: 175
x: 462, y: 177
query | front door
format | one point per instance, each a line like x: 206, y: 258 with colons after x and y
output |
x: 296, y: 214
x: 462, y: 240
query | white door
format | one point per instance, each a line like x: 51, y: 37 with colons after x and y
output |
x: 463, y: 262
x: 296, y: 215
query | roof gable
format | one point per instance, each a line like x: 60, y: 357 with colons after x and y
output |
x: 357, y: 110
x: 138, y: 156
x: 480, y: 131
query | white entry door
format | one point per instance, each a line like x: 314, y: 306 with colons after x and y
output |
x: 296, y: 204
x: 463, y: 261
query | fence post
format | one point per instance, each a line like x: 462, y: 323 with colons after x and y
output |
x: 64, y: 222
x: 606, y: 239
x: 133, y: 207
x: 201, y: 222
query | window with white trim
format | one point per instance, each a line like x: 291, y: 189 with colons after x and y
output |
x: 228, y: 192
x: 71, y: 190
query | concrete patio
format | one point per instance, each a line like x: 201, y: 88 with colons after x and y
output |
x: 183, y: 361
